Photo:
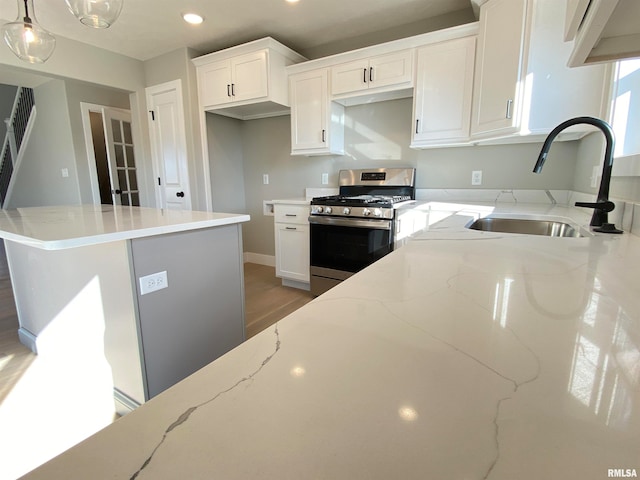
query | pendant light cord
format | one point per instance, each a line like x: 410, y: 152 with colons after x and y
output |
x: 26, y: 13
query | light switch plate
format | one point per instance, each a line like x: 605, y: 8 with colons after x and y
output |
x: 476, y: 177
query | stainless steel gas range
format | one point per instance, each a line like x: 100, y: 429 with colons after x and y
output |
x: 352, y: 230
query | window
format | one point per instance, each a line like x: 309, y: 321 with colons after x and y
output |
x: 625, y: 108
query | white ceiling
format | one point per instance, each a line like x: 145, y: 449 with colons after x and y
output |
x: 148, y: 28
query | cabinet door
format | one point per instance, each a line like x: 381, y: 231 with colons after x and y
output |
x: 249, y: 76
x: 309, y: 105
x: 442, y: 100
x: 350, y: 77
x: 214, y: 83
x: 391, y: 69
x: 292, y: 251
x: 499, y: 67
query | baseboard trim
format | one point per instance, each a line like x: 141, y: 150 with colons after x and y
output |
x: 286, y: 282
x: 124, y: 403
x: 28, y: 339
x: 260, y: 259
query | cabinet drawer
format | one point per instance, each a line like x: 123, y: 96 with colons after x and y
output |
x: 291, y: 214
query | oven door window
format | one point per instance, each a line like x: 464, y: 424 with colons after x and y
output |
x: 348, y: 248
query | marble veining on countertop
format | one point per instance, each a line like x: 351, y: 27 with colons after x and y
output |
x: 461, y: 355
x: 60, y: 227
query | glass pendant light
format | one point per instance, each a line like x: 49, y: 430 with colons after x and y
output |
x: 96, y: 13
x: 26, y: 39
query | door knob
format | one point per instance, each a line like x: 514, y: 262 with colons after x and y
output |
x: 180, y: 194
x: 117, y: 192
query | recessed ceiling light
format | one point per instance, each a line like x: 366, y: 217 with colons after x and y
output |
x: 193, y: 18
x: 292, y: 1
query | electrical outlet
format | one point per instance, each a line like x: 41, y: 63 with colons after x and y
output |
x: 153, y: 282
x: 265, y: 179
x: 476, y: 177
x: 64, y: 172
x: 325, y: 179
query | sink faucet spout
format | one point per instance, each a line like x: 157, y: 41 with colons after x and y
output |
x: 602, y: 205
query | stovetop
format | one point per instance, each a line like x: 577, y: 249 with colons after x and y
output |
x: 379, y: 201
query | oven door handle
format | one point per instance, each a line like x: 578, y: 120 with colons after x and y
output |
x: 373, y: 223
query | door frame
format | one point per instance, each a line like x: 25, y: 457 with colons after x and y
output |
x: 85, y: 109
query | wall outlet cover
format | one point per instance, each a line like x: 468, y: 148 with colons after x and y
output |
x: 153, y: 282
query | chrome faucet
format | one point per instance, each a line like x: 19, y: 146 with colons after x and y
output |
x: 602, y: 205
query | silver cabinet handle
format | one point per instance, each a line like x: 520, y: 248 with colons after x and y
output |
x: 290, y: 215
x: 370, y: 74
x: 417, y: 123
x: 228, y: 90
x: 290, y: 228
x: 364, y: 75
x: 509, y: 105
x: 324, y: 135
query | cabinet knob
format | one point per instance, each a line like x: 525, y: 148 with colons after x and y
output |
x: 180, y: 194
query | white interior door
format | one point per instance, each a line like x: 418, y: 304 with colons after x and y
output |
x: 168, y: 139
x: 120, y: 155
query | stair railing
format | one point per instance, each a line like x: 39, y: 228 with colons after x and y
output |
x: 16, y: 129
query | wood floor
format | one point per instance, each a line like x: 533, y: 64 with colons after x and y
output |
x: 266, y: 300
x: 26, y: 405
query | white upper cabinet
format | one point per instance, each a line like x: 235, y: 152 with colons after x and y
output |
x: 442, y: 99
x: 247, y: 81
x: 393, y: 70
x: 522, y: 83
x: 499, y: 68
x: 234, y: 80
x: 317, y: 124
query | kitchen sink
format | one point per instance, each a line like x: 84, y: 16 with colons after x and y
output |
x: 549, y: 228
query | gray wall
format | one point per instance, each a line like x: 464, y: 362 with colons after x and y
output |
x: 7, y: 97
x: 375, y: 135
x: 39, y: 180
x: 57, y: 142
x: 177, y: 65
x: 78, y: 92
x: 459, y: 17
x: 590, y: 153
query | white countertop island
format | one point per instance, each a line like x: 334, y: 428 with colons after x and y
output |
x: 53, y: 228
x: 461, y: 355
x: 85, y: 282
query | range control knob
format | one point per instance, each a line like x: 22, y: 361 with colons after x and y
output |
x: 328, y: 210
x: 319, y: 209
x: 366, y: 212
x: 346, y: 210
x: 377, y: 212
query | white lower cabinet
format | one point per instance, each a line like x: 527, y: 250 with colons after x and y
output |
x: 292, y: 244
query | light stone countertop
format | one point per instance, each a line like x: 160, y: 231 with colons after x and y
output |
x: 461, y: 355
x: 53, y: 228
